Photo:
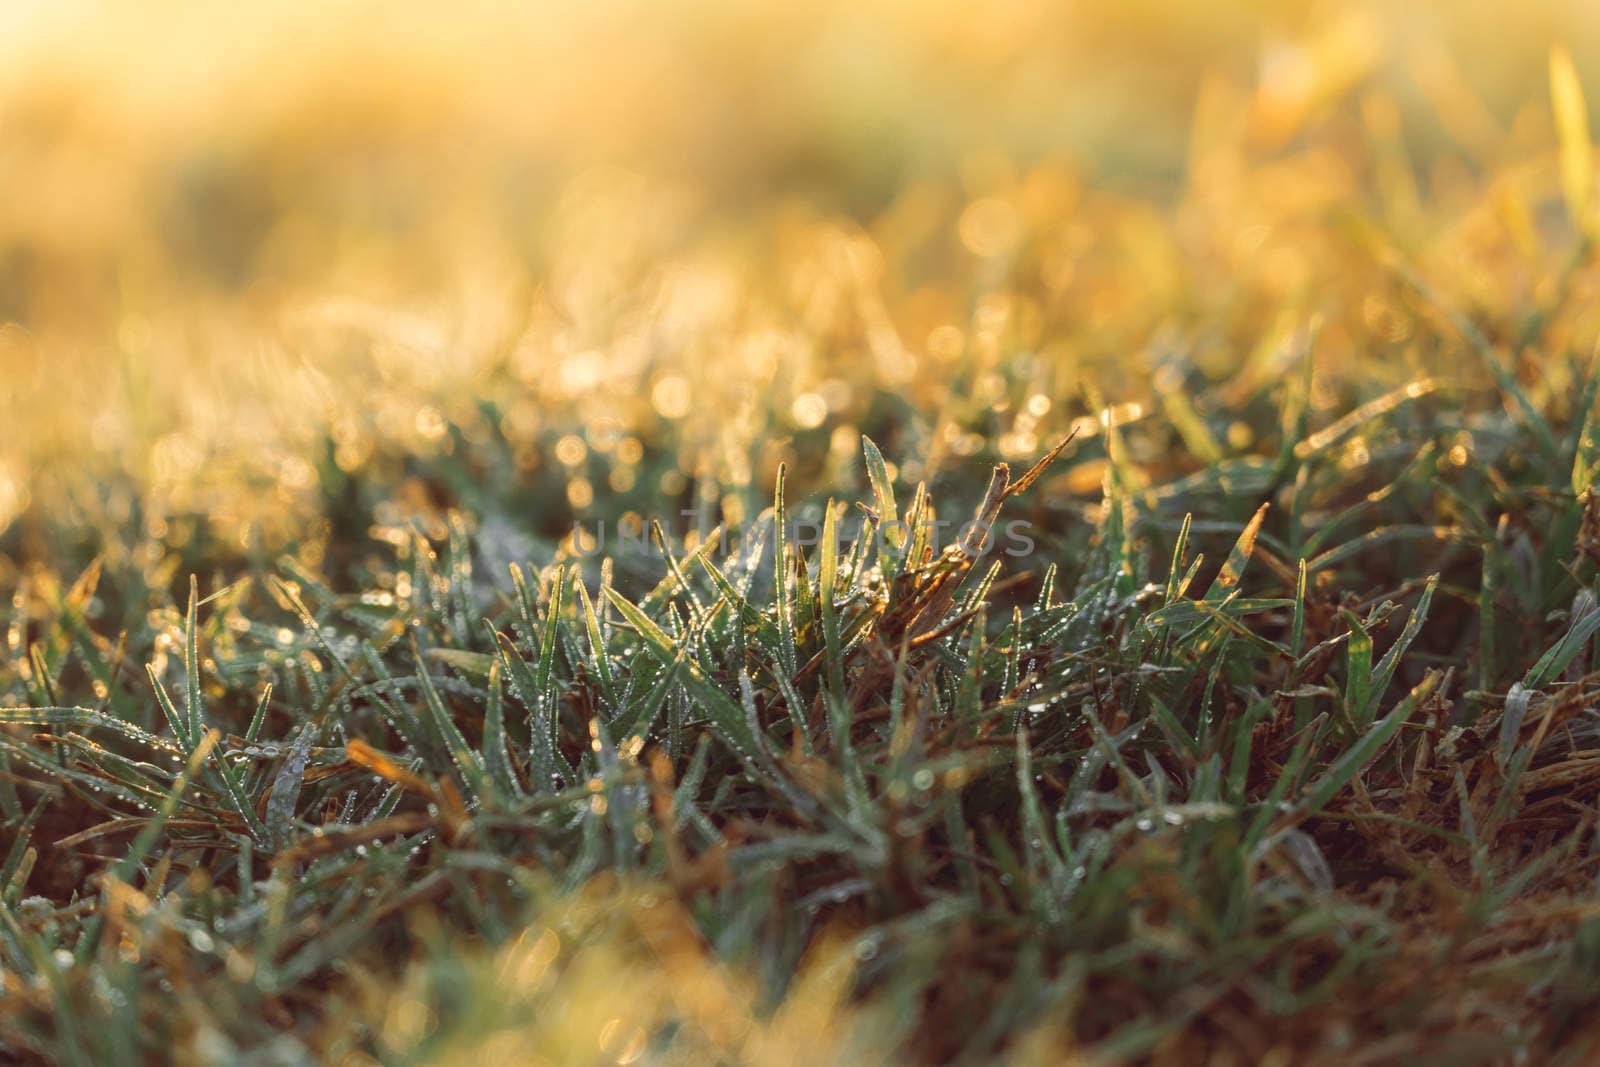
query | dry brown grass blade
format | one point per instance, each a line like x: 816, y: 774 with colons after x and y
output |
x: 975, y: 536
x: 115, y: 826
x: 364, y: 755
x: 1034, y: 472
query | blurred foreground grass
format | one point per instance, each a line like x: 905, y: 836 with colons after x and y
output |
x: 342, y: 309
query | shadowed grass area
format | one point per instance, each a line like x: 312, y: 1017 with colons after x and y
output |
x: 698, y: 573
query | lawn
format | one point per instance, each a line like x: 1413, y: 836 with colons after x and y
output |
x: 703, y: 533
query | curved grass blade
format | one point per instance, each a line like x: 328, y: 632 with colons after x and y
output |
x: 890, y: 528
x: 1564, y: 651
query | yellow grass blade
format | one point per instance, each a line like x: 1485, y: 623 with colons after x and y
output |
x: 1572, y: 132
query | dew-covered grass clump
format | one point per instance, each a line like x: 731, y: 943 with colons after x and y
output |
x: 605, y: 561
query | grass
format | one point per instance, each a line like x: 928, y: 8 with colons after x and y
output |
x: 1142, y: 802
x: 1260, y: 729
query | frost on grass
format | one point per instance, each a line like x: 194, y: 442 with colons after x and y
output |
x: 328, y: 732
x: 1102, y: 794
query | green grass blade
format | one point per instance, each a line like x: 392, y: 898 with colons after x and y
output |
x: 1366, y: 748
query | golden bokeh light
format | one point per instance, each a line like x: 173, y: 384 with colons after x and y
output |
x: 226, y: 238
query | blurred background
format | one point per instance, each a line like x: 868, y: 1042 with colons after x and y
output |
x: 543, y: 261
